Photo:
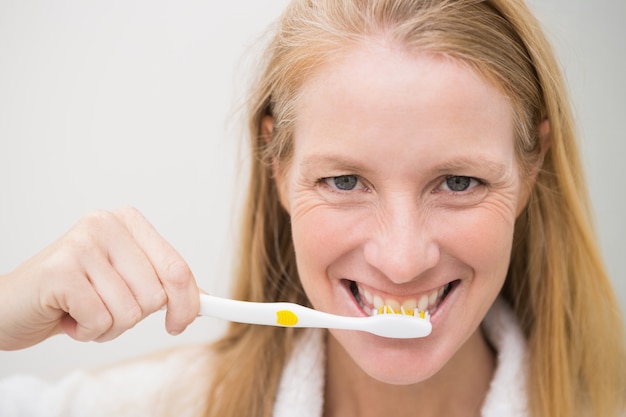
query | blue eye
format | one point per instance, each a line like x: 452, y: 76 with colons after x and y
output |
x: 345, y: 182
x: 457, y: 183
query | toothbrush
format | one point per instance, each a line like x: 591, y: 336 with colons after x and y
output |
x: 387, y: 323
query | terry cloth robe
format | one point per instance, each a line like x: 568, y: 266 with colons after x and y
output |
x: 159, y: 385
x: 301, y: 390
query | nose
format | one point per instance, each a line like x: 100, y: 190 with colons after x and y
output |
x: 402, y: 244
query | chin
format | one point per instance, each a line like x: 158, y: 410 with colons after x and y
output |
x: 391, y: 361
x: 407, y: 375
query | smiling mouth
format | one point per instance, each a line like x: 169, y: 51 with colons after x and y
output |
x: 372, y: 304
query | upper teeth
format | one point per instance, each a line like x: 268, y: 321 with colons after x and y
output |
x: 373, y: 302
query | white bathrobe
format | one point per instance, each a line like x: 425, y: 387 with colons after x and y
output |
x: 158, y: 385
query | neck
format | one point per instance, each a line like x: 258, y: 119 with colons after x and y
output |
x: 458, y: 389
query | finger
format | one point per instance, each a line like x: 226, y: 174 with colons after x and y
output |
x: 120, y: 302
x: 183, y: 302
x: 87, y: 316
x: 135, y: 269
x: 118, y: 270
x: 68, y: 301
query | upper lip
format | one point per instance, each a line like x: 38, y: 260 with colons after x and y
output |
x: 372, y: 298
x: 401, y: 294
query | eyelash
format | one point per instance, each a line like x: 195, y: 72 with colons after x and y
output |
x: 477, y: 182
x: 327, y: 181
x: 473, y: 183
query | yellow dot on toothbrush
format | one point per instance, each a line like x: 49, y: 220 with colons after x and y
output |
x: 286, y: 318
x: 422, y: 314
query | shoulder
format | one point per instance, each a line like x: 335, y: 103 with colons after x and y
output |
x: 167, y: 383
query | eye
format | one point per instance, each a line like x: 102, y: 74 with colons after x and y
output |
x: 458, y: 184
x: 343, y: 182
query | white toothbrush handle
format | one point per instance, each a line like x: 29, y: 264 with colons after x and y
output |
x: 294, y: 315
x: 259, y: 313
x: 240, y: 311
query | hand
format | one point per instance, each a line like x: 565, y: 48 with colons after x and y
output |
x: 101, y: 278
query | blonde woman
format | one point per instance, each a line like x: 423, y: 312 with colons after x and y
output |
x: 407, y: 153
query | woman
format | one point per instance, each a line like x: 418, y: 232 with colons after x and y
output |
x: 406, y: 153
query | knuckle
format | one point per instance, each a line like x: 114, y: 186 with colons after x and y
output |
x: 98, y: 326
x: 155, y: 300
x: 96, y: 220
x: 102, y: 323
x: 133, y: 316
x: 81, y: 241
x: 125, y: 316
x: 113, y: 327
x: 127, y: 212
x: 85, y: 236
x: 177, y: 273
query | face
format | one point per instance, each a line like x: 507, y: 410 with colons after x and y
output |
x: 403, y: 190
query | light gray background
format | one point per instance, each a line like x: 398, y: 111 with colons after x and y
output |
x: 108, y: 103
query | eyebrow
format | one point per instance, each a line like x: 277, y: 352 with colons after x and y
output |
x: 480, y: 162
x: 494, y: 168
x: 316, y: 160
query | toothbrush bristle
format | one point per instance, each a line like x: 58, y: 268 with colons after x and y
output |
x: 387, y: 309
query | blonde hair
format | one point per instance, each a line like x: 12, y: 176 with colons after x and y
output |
x: 557, y: 284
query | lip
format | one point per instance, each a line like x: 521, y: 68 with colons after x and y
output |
x: 434, y: 300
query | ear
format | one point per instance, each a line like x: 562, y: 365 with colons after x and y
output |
x: 278, y: 171
x: 267, y: 128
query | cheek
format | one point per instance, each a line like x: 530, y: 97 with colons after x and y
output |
x: 320, y: 227
x: 481, y: 238
x: 311, y: 230
x: 316, y: 239
x: 323, y: 237
x: 320, y: 237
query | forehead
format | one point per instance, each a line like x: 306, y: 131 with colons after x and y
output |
x: 396, y: 78
x: 375, y: 92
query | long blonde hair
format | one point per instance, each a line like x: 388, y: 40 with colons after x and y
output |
x: 557, y: 284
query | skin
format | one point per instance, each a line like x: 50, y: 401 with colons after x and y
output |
x: 395, y: 126
x: 111, y: 270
